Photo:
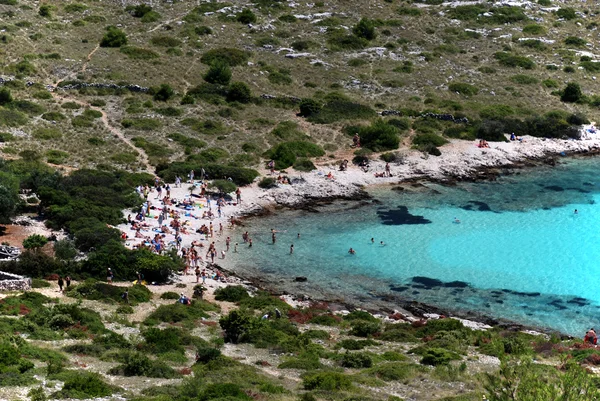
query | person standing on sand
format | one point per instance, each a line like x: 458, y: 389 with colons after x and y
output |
x: 238, y: 195
x: 387, y: 170
x: 68, y: 281
x: 60, y: 284
x: 227, y: 242
x: 109, y: 275
x: 177, y: 181
x: 197, y: 274
x: 191, y: 176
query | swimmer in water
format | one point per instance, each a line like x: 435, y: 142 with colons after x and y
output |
x: 576, y: 211
x: 456, y: 221
x: 372, y: 240
x: 351, y: 251
x: 382, y: 243
x: 291, y: 249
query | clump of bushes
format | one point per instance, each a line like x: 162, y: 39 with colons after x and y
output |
x: 356, y: 360
x: 336, y: 107
x: 511, y: 60
x: 179, y: 313
x: 463, y: 88
x: 169, y: 295
x: 84, y: 385
x: 114, y: 37
x: 233, y: 57
x: 99, y: 291
x: 379, y: 136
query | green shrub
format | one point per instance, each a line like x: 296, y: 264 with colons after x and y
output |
x: 394, y: 371
x: 99, y: 291
x: 327, y: 381
x: 177, y: 312
x: 231, y: 293
x: 138, y: 53
x: 114, y: 37
x: 233, y: 57
x: 510, y: 60
x: 523, y: 79
x: 85, y: 385
x: 590, y: 66
x: 12, y: 118
x: 53, y: 116
x: 237, y: 324
x: 203, y: 30
x: 379, y: 136
x: 47, y: 133
x: 246, y: 17
x: 165, y: 41
x: 5, y: 96
x: 346, y: 42
x: 463, y: 88
x: 575, y: 41
x: 361, y: 328
x: 304, y: 164
x: 223, y: 391
x: 285, y: 153
x: 219, y: 73
x: 239, y: 92
x: 38, y: 283
x: 338, y: 107
x: 307, y: 361
x: 438, y: 356
x: 572, y: 93
x: 356, y: 360
x: 533, y: 44
x: 124, y: 310
x: 422, y: 140
x: 410, y: 11
x: 169, y: 295
x: 138, y: 364
x: 365, y: 29
x: 354, y: 345
x: 267, y: 182
x: 567, y: 13
x: 534, y: 29
x: 143, y: 124
x: 288, y: 18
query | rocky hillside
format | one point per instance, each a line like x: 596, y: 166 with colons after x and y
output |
x: 120, y: 84
x: 91, y: 343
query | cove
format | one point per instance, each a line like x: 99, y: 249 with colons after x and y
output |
x: 520, y: 252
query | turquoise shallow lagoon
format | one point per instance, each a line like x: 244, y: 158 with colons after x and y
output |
x: 519, y: 252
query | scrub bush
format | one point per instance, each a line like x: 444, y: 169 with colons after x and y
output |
x: 379, y: 136
x: 356, y: 360
x: 510, y: 60
x: 82, y: 385
x: 179, y: 313
x: 355, y: 345
x: 169, y: 295
x: 114, y: 37
x: 285, y: 153
x: 425, y: 139
x: 463, y: 88
x: 327, y: 381
x: 138, y: 364
x: 98, y: 291
x: 219, y: 73
x: 364, y: 329
x: 394, y: 371
x: 437, y: 356
x: 231, y: 293
x: 233, y: 57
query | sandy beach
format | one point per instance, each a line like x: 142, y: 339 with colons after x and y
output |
x: 459, y: 160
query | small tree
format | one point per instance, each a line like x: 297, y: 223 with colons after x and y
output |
x: 309, y: 107
x: 239, y: 92
x: 5, y: 96
x: 365, y: 29
x: 218, y: 73
x: 246, y: 17
x: 572, y: 93
x: 164, y: 93
x: 35, y: 242
x: 45, y: 11
x: 236, y: 324
x: 224, y: 186
x: 113, y: 38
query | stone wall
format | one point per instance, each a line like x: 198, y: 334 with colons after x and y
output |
x: 14, y: 282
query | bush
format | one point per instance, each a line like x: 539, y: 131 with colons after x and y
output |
x: 362, y: 328
x: 124, y: 310
x: 203, y: 30
x: 338, y: 107
x: 233, y: 57
x: 346, y: 42
x: 169, y: 295
x: 567, y: 13
x: 219, y: 73
x: 236, y: 324
x: 231, y: 293
x: 5, y: 96
x: 138, y: 53
x: 85, y: 385
x: 394, y: 371
x: 365, y: 29
x: 421, y: 140
x: 267, y: 182
x: 438, y: 356
x: 356, y: 360
x: 138, y: 364
x: 179, y: 313
x: 379, y: 136
x: 327, y: 381
x: 239, y: 92
x: 246, y: 17
x: 285, y: 153
x: 239, y: 175
x: 304, y: 164
x: 165, y: 41
x: 223, y: 391
x: 38, y: 283
x: 98, y: 291
x: 113, y: 38
x: 572, y: 93
x: 524, y: 79
x: 463, y: 88
x: 575, y: 41
x: 163, y: 93
x: 309, y: 107
x: 509, y: 60
x: 534, y: 29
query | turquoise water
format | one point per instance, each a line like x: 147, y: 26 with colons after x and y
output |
x: 519, y: 252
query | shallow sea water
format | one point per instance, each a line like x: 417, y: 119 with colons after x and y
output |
x: 519, y: 252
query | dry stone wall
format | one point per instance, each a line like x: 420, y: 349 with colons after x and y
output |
x: 14, y: 282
